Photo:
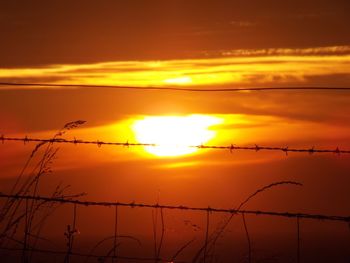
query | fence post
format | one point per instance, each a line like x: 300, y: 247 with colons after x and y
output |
x: 115, y: 259
x: 298, y: 239
x: 206, y: 235
x: 25, y: 239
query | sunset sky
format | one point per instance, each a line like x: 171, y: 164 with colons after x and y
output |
x: 188, y: 44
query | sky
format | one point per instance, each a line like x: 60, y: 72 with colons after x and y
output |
x: 186, y: 44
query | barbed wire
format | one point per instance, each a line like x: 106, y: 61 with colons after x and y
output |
x: 167, y: 88
x: 179, y: 207
x: 231, y: 147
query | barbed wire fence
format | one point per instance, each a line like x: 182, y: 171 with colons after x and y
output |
x: 113, y: 254
x: 231, y: 147
x: 28, y: 199
x: 180, y: 207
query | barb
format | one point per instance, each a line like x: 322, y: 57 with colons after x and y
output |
x: 230, y: 147
x: 167, y: 88
x: 180, y: 207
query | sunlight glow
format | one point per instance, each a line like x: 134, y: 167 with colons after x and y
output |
x: 179, y: 81
x: 174, y: 134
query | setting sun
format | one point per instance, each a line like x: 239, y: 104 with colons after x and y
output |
x: 173, y: 134
x: 174, y: 131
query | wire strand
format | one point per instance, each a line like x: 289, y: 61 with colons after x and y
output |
x: 167, y: 88
x: 230, y: 147
x: 179, y: 207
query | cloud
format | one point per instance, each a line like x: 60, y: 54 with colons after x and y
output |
x: 240, y: 68
x: 332, y: 50
x: 324, y: 66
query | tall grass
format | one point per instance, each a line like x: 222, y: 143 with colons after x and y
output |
x: 32, y: 214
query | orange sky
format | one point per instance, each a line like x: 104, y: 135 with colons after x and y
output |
x: 214, y: 44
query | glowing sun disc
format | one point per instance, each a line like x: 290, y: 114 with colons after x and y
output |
x: 173, y: 134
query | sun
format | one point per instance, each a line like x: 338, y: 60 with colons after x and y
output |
x: 179, y: 81
x: 173, y: 134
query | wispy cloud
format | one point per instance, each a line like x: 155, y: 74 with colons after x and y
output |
x: 239, y: 67
x: 333, y: 50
